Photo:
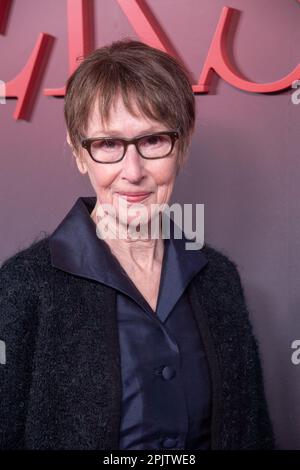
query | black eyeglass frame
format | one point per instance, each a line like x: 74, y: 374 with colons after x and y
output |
x: 87, y: 143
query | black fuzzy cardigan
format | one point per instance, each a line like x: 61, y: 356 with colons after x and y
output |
x: 60, y: 387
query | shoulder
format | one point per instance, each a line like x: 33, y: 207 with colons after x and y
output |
x: 220, y: 268
x: 219, y: 288
x: 22, y: 263
x: 219, y: 292
x: 18, y: 279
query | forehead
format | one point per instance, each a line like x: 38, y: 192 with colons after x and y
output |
x: 121, y: 120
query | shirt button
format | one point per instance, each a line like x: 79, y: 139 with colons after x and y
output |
x: 168, y: 372
x: 169, y: 442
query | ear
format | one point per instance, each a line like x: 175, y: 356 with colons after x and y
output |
x: 81, y: 165
x: 70, y: 143
x: 78, y: 158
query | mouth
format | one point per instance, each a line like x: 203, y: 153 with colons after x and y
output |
x: 134, y: 197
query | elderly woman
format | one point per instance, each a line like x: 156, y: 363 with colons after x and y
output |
x: 127, y: 342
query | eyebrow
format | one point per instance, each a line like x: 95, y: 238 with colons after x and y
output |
x: 116, y: 133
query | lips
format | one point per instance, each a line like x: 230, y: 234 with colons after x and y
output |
x: 134, y: 197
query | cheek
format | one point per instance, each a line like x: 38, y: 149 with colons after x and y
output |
x: 166, y: 174
x: 165, y: 180
x: 101, y: 178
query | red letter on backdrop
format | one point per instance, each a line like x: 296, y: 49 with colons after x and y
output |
x: 145, y: 25
x: 25, y: 85
x: 4, y: 9
x: 80, y: 27
x: 218, y: 61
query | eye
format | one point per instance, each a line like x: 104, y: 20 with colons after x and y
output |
x: 107, y: 144
x: 153, y: 140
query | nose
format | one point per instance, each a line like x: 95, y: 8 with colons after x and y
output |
x: 133, y: 165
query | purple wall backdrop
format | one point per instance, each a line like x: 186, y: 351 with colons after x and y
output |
x: 244, y: 163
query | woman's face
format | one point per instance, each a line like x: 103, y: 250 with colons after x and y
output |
x: 133, y: 174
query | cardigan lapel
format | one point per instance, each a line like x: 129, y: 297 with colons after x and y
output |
x: 198, y: 299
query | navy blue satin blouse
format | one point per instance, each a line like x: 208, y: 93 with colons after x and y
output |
x: 166, y: 388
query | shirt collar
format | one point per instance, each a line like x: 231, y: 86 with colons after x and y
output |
x: 76, y: 248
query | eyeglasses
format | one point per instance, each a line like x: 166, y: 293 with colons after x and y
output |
x: 113, y: 149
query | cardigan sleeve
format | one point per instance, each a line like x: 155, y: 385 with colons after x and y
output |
x: 259, y: 431
x: 17, y: 336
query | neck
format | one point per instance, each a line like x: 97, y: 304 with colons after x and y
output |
x: 140, y: 254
